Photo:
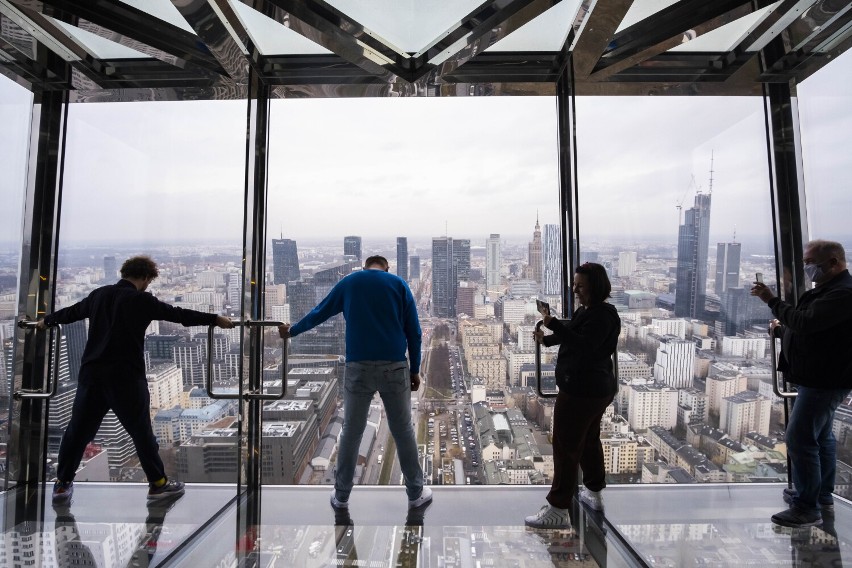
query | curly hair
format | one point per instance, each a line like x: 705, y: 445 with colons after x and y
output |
x: 139, y: 267
x: 599, y: 285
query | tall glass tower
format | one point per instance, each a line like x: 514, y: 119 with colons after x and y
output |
x: 402, y: 257
x: 727, y: 266
x: 352, y: 247
x: 285, y: 261
x: 693, y: 242
x: 450, y: 265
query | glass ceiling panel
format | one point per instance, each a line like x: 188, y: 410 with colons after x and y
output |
x: 641, y: 9
x: 99, y: 47
x: 547, y: 32
x: 726, y: 37
x: 163, y: 10
x: 409, y: 25
x: 273, y: 38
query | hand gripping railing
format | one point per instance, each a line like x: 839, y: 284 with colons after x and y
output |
x: 541, y: 393
x: 247, y: 395
x: 53, y: 377
x: 776, y: 386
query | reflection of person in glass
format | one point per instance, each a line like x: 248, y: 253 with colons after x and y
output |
x: 157, y: 509
x: 587, y: 386
x: 112, y: 371
x: 816, y: 338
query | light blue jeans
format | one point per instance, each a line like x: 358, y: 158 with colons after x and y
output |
x: 392, y: 380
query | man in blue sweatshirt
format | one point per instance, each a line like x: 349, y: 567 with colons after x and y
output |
x: 381, y: 324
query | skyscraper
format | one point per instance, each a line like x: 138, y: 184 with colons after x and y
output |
x: 492, y: 261
x: 450, y: 265
x: 693, y: 241
x: 551, y: 255
x: 402, y: 257
x: 727, y: 266
x: 534, y: 267
x: 414, y: 267
x: 285, y: 261
x: 110, y: 270
x: 626, y: 263
x: 352, y: 247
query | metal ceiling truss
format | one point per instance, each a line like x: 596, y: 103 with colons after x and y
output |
x: 214, y: 62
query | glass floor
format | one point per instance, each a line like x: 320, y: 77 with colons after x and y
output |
x: 109, y: 525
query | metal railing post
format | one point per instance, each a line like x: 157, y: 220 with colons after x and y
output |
x: 53, y: 376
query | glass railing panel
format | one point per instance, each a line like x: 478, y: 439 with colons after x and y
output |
x: 163, y: 179
x: 15, y: 115
x: 824, y: 101
x: 674, y: 202
x: 466, y: 211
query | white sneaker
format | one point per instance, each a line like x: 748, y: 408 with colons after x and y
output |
x: 424, y: 499
x: 549, y: 517
x: 593, y: 499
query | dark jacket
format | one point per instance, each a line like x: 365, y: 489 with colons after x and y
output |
x: 118, y: 316
x: 816, y: 337
x: 586, y: 344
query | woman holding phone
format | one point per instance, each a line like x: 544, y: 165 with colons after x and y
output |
x: 587, y: 386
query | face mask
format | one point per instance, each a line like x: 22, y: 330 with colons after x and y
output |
x: 814, y: 272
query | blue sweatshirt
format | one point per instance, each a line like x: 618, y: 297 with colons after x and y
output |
x: 381, y: 317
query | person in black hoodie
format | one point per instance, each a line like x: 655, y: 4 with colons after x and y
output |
x: 112, y: 372
x: 587, y: 386
x: 816, y: 337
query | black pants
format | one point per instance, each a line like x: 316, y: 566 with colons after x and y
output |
x: 577, y: 442
x: 99, y: 390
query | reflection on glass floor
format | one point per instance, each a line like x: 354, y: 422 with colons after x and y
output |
x: 109, y: 525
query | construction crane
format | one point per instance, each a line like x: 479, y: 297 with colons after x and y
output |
x: 679, y: 204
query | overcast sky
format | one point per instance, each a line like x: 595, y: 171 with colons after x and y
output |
x: 386, y: 167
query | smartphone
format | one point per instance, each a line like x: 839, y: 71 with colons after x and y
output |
x: 542, y: 307
x: 758, y: 277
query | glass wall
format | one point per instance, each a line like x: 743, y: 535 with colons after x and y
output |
x: 824, y: 100
x: 15, y: 113
x: 164, y: 179
x: 674, y: 201
x: 461, y: 196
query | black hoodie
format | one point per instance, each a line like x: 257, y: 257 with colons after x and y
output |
x: 586, y: 344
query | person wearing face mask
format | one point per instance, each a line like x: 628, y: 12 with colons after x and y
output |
x: 816, y: 338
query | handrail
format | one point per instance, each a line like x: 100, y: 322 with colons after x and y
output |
x: 53, y: 377
x: 248, y: 395
x: 259, y: 394
x: 541, y: 393
x: 776, y: 387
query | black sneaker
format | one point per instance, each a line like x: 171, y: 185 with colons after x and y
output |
x: 62, y: 492
x: 169, y: 489
x: 795, y: 518
x: 789, y: 495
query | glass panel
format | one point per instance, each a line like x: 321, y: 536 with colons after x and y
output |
x: 824, y: 102
x: 726, y: 37
x: 15, y: 116
x: 162, y: 9
x: 163, y: 179
x: 410, y: 25
x: 641, y: 9
x: 547, y: 32
x: 272, y: 38
x: 99, y: 47
x: 477, y: 240
x: 674, y: 202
